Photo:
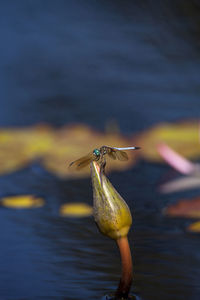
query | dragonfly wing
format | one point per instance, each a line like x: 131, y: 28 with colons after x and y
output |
x: 82, y: 162
x: 112, y: 154
x: 118, y: 152
x: 121, y: 155
x: 110, y: 151
x: 115, y: 153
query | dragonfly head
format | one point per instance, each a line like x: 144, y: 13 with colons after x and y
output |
x: 97, y: 153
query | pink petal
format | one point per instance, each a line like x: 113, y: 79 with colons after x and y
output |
x: 180, y: 184
x: 175, y: 160
x: 199, y: 132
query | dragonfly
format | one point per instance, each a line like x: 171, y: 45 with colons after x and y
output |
x: 98, y: 154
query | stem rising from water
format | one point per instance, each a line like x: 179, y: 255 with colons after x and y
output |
x: 127, y: 274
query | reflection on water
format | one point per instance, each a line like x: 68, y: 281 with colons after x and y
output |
x: 87, y: 61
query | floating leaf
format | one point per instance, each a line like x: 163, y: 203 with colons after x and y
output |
x: 12, y: 161
x: 194, y: 227
x: 55, y: 149
x: 76, y: 210
x: 183, y: 137
x: 184, y: 208
x: 20, y: 146
x: 22, y: 201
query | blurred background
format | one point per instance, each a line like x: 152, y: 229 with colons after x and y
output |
x: 92, y: 62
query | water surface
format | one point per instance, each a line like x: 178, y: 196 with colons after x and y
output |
x: 136, y: 62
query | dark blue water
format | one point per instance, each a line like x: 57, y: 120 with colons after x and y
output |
x: 137, y: 62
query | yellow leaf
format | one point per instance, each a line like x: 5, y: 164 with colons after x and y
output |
x: 11, y: 161
x: 194, y: 227
x: 183, y: 137
x: 22, y: 201
x: 76, y: 210
x: 56, y: 148
x: 20, y: 146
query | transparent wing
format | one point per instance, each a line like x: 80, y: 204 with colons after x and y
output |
x: 108, y: 150
x: 82, y: 162
x: 112, y: 154
x: 121, y: 155
x: 115, y: 152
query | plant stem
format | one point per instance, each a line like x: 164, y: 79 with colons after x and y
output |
x: 126, y: 262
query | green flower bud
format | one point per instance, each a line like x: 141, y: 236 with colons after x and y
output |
x: 111, y: 213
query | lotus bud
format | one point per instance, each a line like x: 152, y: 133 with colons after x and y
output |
x: 111, y: 213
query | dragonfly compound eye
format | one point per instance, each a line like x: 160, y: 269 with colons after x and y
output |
x: 96, y: 152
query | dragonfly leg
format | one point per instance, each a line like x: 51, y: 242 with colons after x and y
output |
x: 102, y: 165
